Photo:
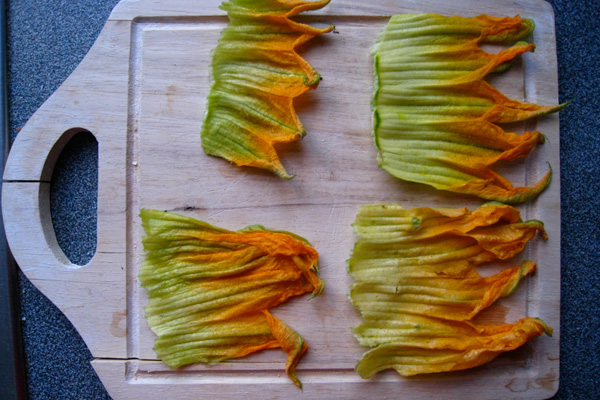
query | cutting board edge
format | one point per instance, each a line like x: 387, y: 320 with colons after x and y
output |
x: 129, y: 379
x: 129, y: 10
x: 81, y: 103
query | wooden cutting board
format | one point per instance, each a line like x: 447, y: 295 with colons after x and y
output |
x: 141, y: 91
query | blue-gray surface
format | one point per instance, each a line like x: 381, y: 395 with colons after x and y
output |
x: 48, y: 39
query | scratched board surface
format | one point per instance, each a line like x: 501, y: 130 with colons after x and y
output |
x: 156, y: 161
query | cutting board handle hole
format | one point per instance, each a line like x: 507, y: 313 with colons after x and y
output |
x: 75, y: 178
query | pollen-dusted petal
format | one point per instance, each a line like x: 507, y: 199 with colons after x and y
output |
x: 436, y: 119
x: 255, y: 76
x: 417, y: 286
x: 209, y: 288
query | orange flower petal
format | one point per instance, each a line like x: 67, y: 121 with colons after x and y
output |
x: 256, y: 74
x: 435, y: 118
x: 451, y: 347
x: 209, y: 289
x: 290, y: 342
x: 417, y: 287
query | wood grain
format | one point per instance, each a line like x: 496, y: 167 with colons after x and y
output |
x: 142, y: 92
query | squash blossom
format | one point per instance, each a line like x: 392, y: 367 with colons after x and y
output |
x: 436, y: 118
x: 417, y: 287
x: 210, y: 289
x: 255, y: 76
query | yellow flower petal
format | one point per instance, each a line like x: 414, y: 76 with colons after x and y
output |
x: 256, y: 74
x: 209, y: 289
x: 435, y: 116
x: 451, y: 347
x: 417, y: 287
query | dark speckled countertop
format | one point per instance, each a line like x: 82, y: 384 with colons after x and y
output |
x: 48, y: 39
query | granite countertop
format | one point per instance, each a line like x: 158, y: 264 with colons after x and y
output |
x: 48, y: 39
